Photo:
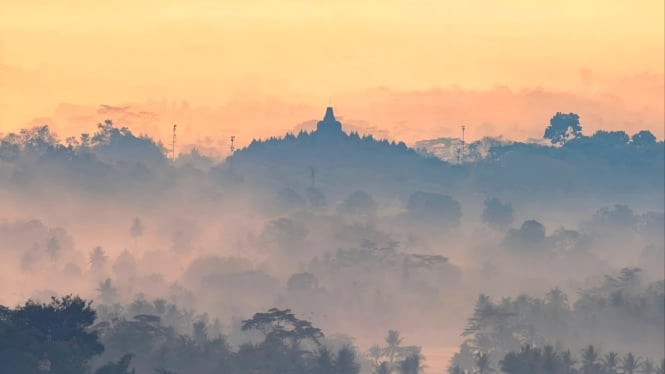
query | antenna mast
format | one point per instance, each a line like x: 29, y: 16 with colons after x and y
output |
x: 173, y: 144
x: 233, y: 148
x: 462, y: 155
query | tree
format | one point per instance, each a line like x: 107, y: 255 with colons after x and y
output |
x: 375, y: 353
x: 410, y: 365
x: 530, y: 236
x: 648, y: 367
x: 483, y: 365
x: 568, y: 362
x: 302, y: 282
x: 550, y: 360
x: 383, y: 368
x: 455, y: 370
x: 393, y: 349
x: 620, y: 216
x: 557, y: 303
x: 643, y: 138
x: 136, y: 229
x: 54, y: 336
x: 106, y: 291
x: 497, y: 214
x: 325, y: 361
x: 289, y: 199
x: 283, y: 326
x: 53, y: 248
x: 98, y: 259
x: 316, y: 198
x: 610, y: 137
x: 345, y: 362
x: 200, y: 333
x: 121, y: 367
x: 563, y: 127
x: 630, y: 364
x: 611, y: 362
x: 435, y: 208
x: 358, y: 203
x: 589, y: 358
x: 284, y: 233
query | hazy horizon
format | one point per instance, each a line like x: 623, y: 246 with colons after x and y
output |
x: 411, y: 72
x: 348, y: 230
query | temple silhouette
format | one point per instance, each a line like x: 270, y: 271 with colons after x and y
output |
x: 329, y: 126
x: 333, y: 153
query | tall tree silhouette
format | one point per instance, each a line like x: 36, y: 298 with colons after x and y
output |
x: 563, y: 127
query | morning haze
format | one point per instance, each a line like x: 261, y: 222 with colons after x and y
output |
x: 348, y: 227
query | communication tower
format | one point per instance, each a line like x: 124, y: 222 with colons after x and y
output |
x: 173, y: 143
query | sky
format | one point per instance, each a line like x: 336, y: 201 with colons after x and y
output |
x: 406, y: 70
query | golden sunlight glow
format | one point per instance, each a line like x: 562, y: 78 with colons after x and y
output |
x: 298, y: 52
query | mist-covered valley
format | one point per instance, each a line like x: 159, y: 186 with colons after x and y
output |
x: 332, y: 252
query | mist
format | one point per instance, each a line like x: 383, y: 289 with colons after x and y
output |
x: 391, y: 253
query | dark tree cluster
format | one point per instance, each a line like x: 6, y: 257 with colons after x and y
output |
x: 548, y: 360
x: 622, y: 312
x: 56, y: 337
x: 394, y: 357
x: 61, y: 337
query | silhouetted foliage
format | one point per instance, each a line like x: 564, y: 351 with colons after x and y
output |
x: 529, y: 238
x: 434, y: 208
x: 121, y: 367
x: 633, y: 309
x: 563, y: 127
x: 497, y: 214
x: 643, y: 138
x: 360, y: 203
x: 55, y: 335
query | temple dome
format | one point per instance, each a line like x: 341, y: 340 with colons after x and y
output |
x: 329, y: 125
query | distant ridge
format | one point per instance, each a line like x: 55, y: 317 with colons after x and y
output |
x: 335, y: 154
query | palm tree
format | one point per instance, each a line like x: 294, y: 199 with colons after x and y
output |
x: 648, y: 367
x: 589, y: 358
x: 550, y: 360
x: 98, y: 258
x: 346, y: 361
x: 483, y: 363
x: 611, y: 362
x: 200, y: 333
x: 393, y: 340
x: 557, y: 301
x: 410, y: 365
x: 375, y: 353
x: 106, y: 291
x: 382, y: 368
x: 568, y: 362
x: 630, y: 364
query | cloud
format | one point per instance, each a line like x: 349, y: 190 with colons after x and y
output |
x: 633, y: 104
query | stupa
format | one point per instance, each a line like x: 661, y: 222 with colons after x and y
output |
x: 329, y: 126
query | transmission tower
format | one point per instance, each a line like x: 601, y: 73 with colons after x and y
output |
x: 173, y: 144
x: 462, y: 152
x: 233, y: 148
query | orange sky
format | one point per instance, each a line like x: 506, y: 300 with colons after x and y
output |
x: 402, y: 69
